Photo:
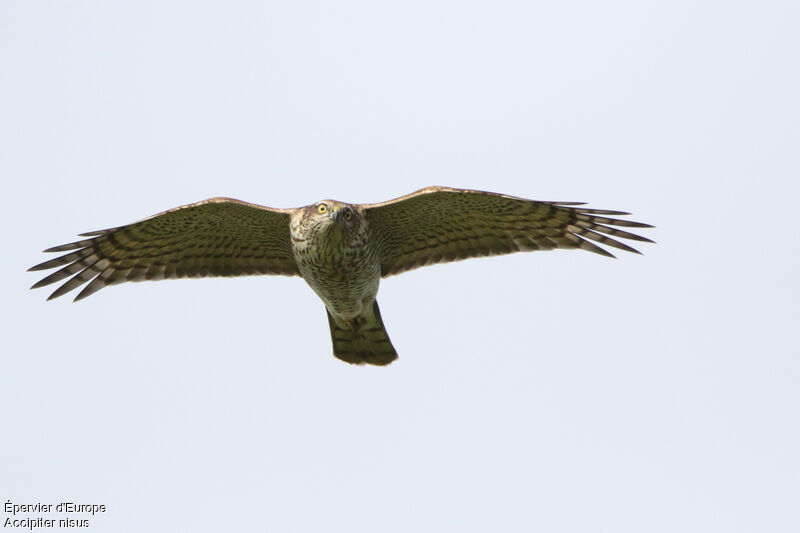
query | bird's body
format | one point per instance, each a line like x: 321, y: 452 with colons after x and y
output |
x: 334, y: 257
x: 341, y: 250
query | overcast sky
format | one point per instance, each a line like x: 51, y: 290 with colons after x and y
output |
x: 557, y: 391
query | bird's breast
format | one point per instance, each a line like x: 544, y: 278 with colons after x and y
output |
x: 345, y: 274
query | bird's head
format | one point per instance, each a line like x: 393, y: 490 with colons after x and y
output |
x: 334, y: 218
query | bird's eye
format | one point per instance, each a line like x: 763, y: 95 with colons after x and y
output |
x: 348, y: 214
x: 322, y: 208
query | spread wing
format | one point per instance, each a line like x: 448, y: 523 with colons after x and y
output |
x: 215, y: 237
x: 440, y: 224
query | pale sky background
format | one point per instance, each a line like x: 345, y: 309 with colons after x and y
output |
x: 556, y: 391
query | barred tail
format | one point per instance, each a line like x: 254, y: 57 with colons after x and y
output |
x: 367, y: 342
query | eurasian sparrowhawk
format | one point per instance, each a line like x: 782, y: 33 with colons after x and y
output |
x: 341, y: 250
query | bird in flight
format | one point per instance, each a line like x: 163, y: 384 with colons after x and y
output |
x: 341, y: 250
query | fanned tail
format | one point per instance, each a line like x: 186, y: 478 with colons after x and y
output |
x: 367, y: 343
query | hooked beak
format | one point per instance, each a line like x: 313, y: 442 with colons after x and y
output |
x: 336, y: 213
